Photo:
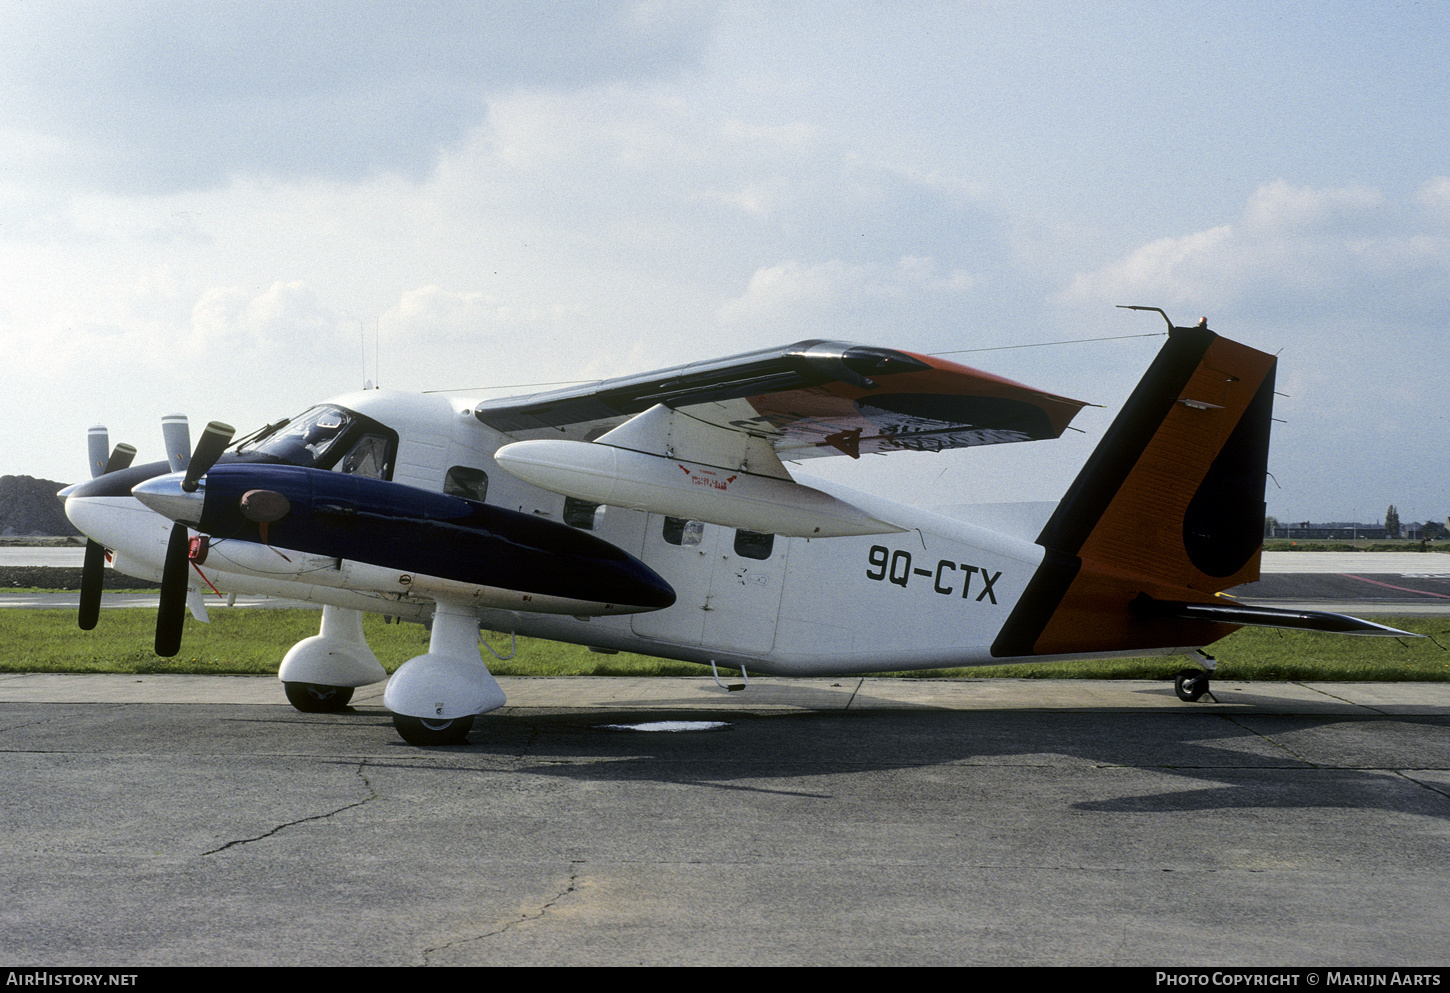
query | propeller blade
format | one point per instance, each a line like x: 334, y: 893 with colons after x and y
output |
x: 121, y: 458
x: 172, y: 612
x: 94, y: 567
x: 98, y: 444
x: 214, y: 441
x: 92, y: 575
x: 177, y: 435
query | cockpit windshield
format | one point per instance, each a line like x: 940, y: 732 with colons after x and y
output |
x: 324, y: 437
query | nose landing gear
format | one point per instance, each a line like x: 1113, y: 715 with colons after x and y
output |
x: 426, y: 732
x: 316, y: 698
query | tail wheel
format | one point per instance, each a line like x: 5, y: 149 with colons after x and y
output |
x: 315, y: 698
x: 1190, y: 684
x: 426, y: 732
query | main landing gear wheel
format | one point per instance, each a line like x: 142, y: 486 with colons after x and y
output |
x: 426, y: 731
x: 1190, y: 684
x: 315, y: 698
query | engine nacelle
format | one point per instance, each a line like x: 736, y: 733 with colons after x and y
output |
x: 635, y: 480
x: 417, y: 541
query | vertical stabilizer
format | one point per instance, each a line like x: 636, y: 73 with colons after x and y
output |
x: 1170, y: 505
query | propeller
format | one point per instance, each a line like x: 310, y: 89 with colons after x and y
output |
x: 177, y: 435
x: 174, y: 574
x: 172, y: 610
x: 98, y: 446
x: 93, y: 569
x: 214, y: 440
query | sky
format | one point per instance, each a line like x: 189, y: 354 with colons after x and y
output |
x: 237, y: 210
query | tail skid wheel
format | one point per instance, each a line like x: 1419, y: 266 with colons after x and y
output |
x: 1190, y: 684
x: 315, y: 698
x: 426, y: 732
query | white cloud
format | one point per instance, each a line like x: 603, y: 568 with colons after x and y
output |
x: 778, y: 290
x: 1172, y: 270
x: 443, y: 318
x: 1434, y: 197
x: 1296, y: 250
x: 795, y: 294
x: 171, y: 95
x: 286, y: 323
x: 1279, y: 209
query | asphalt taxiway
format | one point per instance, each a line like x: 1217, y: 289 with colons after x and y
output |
x: 153, y: 820
x: 157, y: 820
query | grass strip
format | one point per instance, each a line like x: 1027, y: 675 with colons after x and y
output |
x: 253, y: 640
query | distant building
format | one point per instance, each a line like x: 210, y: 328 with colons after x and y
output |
x: 1350, y: 531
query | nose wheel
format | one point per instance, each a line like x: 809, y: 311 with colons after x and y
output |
x: 427, y: 732
x: 315, y: 698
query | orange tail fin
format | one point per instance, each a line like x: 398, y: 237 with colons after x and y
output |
x: 1170, y: 506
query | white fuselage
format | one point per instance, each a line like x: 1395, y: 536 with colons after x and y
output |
x: 933, y: 594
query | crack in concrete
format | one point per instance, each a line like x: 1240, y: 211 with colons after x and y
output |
x: 1272, y: 741
x: 38, y: 722
x: 367, y: 784
x: 571, y: 885
x: 528, y: 745
x: 1423, y: 785
x: 1342, y: 699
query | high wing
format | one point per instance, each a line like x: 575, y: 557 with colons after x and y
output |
x: 706, y: 441
x: 809, y: 399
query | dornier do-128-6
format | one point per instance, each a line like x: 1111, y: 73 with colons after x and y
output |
x: 656, y: 514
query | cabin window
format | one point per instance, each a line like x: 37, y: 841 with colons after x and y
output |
x: 678, y: 531
x: 582, y: 514
x: 467, y: 482
x: 753, y: 544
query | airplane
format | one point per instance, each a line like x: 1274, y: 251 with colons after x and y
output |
x: 656, y: 514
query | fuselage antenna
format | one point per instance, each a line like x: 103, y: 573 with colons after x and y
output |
x: 362, y: 347
x: 362, y: 334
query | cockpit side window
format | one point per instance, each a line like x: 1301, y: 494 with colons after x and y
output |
x: 305, y: 440
x: 367, y: 457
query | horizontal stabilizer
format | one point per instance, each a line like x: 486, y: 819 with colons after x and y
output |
x: 1266, y: 617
